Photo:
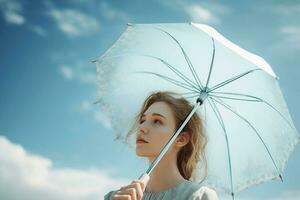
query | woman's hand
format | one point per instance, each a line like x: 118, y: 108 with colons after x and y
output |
x: 134, y: 191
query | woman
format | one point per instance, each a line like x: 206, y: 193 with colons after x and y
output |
x: 160, y: 116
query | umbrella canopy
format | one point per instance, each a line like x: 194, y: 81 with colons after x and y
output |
x: 249, y: 128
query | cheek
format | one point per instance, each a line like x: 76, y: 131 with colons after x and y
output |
x: 158, y: 142
x: 161, y: 135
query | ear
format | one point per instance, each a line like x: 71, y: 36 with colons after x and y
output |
x: 182, y: 139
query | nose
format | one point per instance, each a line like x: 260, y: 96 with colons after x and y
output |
x: 143, y: 129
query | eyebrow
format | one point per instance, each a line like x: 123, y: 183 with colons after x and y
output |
x: 155, y: 114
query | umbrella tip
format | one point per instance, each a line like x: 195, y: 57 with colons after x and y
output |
x: 232, y: 194
x: 280, y: 177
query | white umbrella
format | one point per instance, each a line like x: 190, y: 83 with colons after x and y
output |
x: 249, y: 128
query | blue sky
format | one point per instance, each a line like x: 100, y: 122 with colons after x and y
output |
x: 55, y: 142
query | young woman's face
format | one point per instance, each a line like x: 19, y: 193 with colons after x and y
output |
x: 157, y: 125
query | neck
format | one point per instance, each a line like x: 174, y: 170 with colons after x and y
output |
x: 165, y: 175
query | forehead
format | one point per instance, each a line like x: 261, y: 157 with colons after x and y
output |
x: 160, y: 108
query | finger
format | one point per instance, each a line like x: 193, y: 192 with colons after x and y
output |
x: 138, y: 188
x: 122, y: 197
x: 129, y: 191
x: 141, y: 183
x: 130, y: 186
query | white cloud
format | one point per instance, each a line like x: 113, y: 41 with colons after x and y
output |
x: 87, y: 77
x: 39, y: 30
x: 288, y: 14
x: 198, y: 13
x: 288, y: 195
x: 287, y: 9
x: 292, y: 35
x: 111, y: 13
x: 88, y: 106
x: 73, y: 22
x: 77, y: 73
x: 85, y: 106
x: 14, y: 18
x: 80, y: 74
x: 104, y: 8
x: 27, y: 176
x: 12, y: 12
x: 67, y: 72
x: 201, y: 12
x: 103, y: 119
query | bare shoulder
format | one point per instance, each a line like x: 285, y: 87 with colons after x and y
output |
x: 205, y: 193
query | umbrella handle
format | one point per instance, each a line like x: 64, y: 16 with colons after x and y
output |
x: 144, y: 178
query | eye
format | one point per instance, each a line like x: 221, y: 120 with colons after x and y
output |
x: 157, y: 121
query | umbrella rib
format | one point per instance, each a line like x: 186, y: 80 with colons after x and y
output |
x: 254, y: 99
x: 170, y: 80
x: 221, y: 121
x: 231, y: 80
x: 205, y: 115
x: 192, y: 96
x: 221, y: 102
x: 187, y: 93
x: 186, y: 58
x: 218, y: 115
x: 213, y: 95
x: 182, y: 76
x: 211, y: 64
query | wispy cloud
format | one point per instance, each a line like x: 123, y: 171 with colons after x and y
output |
x: 12, y: 12
x: 67, y: 72
x: 73, y: 22
x: 292, y: 35
x: 106, y: 9
x: 290, y: 28
x: 77, y: 73
x: 85, y: 106
x: 288, y: 9
x: 27, y: 176
x: 89, y: 107
x: 103, y: 119
x: 108, y: 12
x: 39, y: 30
x: 200, y: 12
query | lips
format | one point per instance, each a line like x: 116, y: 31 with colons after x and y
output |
x: 140, y: 140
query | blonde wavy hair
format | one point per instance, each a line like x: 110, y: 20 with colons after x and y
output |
x: 193, y: 153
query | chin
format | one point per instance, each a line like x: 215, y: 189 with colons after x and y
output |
x: 140, y: 153
x: 144, y: 153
